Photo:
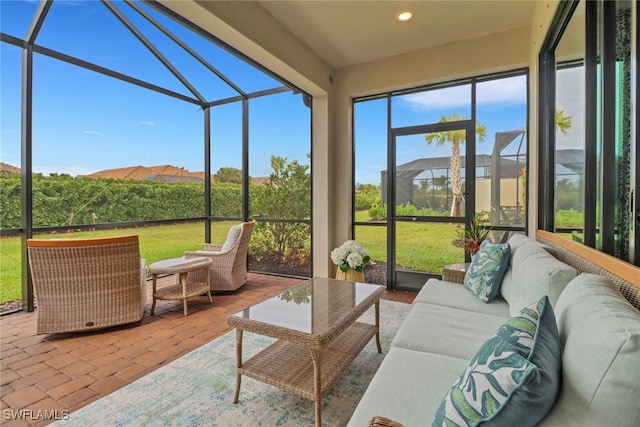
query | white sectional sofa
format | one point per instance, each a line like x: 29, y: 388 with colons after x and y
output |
x: 598, y: 343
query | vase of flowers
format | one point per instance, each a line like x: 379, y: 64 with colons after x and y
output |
x: 474, y: 236
x: 350, y: 258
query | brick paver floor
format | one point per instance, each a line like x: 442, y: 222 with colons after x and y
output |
x: 47, y: 376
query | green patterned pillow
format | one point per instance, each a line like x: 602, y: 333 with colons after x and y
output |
x: 487, y: 268
x: 513, y: 379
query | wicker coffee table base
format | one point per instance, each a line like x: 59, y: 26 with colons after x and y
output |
x: 308, y: 373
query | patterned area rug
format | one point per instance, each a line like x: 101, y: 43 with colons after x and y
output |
x: 196, y: 390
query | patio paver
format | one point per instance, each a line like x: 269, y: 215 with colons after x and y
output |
x: 62, y: 373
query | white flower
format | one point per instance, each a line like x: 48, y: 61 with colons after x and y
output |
x: 354, y: 259
x: 350, y: 255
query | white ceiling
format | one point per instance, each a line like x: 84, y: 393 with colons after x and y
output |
x: 345, y: 33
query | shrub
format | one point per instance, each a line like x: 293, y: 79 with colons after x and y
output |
x: 569, y: 218
x: 367, y: 195
x: 286, y: 194
x: 379, y: 213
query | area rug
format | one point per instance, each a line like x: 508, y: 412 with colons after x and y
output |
x: 196, y: 389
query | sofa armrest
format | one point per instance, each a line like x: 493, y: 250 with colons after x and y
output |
x: 383, y: 422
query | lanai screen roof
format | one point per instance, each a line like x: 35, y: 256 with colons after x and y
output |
x: 509, y: 168
x: 195, y: 66
x: 569, y: 159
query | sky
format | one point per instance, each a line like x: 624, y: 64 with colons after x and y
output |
x: 84, y: 122
x: 500, y: 106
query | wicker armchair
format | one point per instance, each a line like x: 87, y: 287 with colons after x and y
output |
x: 87, y: 284
x: 229, y: 269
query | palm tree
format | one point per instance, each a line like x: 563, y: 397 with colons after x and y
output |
x: 563, y: 121
x: 456, y: 138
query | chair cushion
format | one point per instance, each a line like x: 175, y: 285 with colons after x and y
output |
x: 600, y: 332
x: 232, y: 238
x: 514, y: 377
x: 487, y: 268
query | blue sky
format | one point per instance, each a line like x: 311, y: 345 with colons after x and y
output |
x: 501, y: 106
x: 85, y: 122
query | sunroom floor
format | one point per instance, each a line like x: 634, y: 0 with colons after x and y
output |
x: 64, y: 372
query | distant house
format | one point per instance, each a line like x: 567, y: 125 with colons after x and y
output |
x: 173, y: 179
x: 8, y: 169
x: 165, y: 173
x: 150, y: 173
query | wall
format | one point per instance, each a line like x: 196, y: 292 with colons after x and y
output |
x: 542, y: 17
x: 510, y: 193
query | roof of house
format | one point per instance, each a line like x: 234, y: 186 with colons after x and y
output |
x: 173, y: 179
x: 166, y: 173
x: 143, y: 172
x: 7, y: 168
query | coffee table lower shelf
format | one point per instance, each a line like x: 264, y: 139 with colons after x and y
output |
x: 290, y: 366
x: 175, y: 292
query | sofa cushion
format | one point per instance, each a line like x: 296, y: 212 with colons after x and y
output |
x: 600, y: 331
x: 534, y: 273
x: 484, y: 275
x: 406, y: 387
x: 449, y: 294
x: 445, y: 330
x: 514, y: 377
x: 516, y: 240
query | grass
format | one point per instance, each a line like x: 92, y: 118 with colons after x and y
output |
x: 420, y: 246
x: 156, y: 243
x: 423, y: 247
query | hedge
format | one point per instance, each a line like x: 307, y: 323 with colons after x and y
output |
x: 66, y: 200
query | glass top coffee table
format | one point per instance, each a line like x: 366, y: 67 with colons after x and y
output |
x: 317, y: 333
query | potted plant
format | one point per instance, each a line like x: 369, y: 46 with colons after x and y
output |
x: 474, y: 235
x: 350, y: 258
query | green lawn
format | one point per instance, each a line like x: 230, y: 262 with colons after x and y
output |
x: 156, y: 243
x: 421, y: 247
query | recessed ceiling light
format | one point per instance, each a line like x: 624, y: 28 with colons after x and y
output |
x: 404, y: 15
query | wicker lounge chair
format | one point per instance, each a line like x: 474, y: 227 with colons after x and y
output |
x: 229, y: 269
x: 87, y: 284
